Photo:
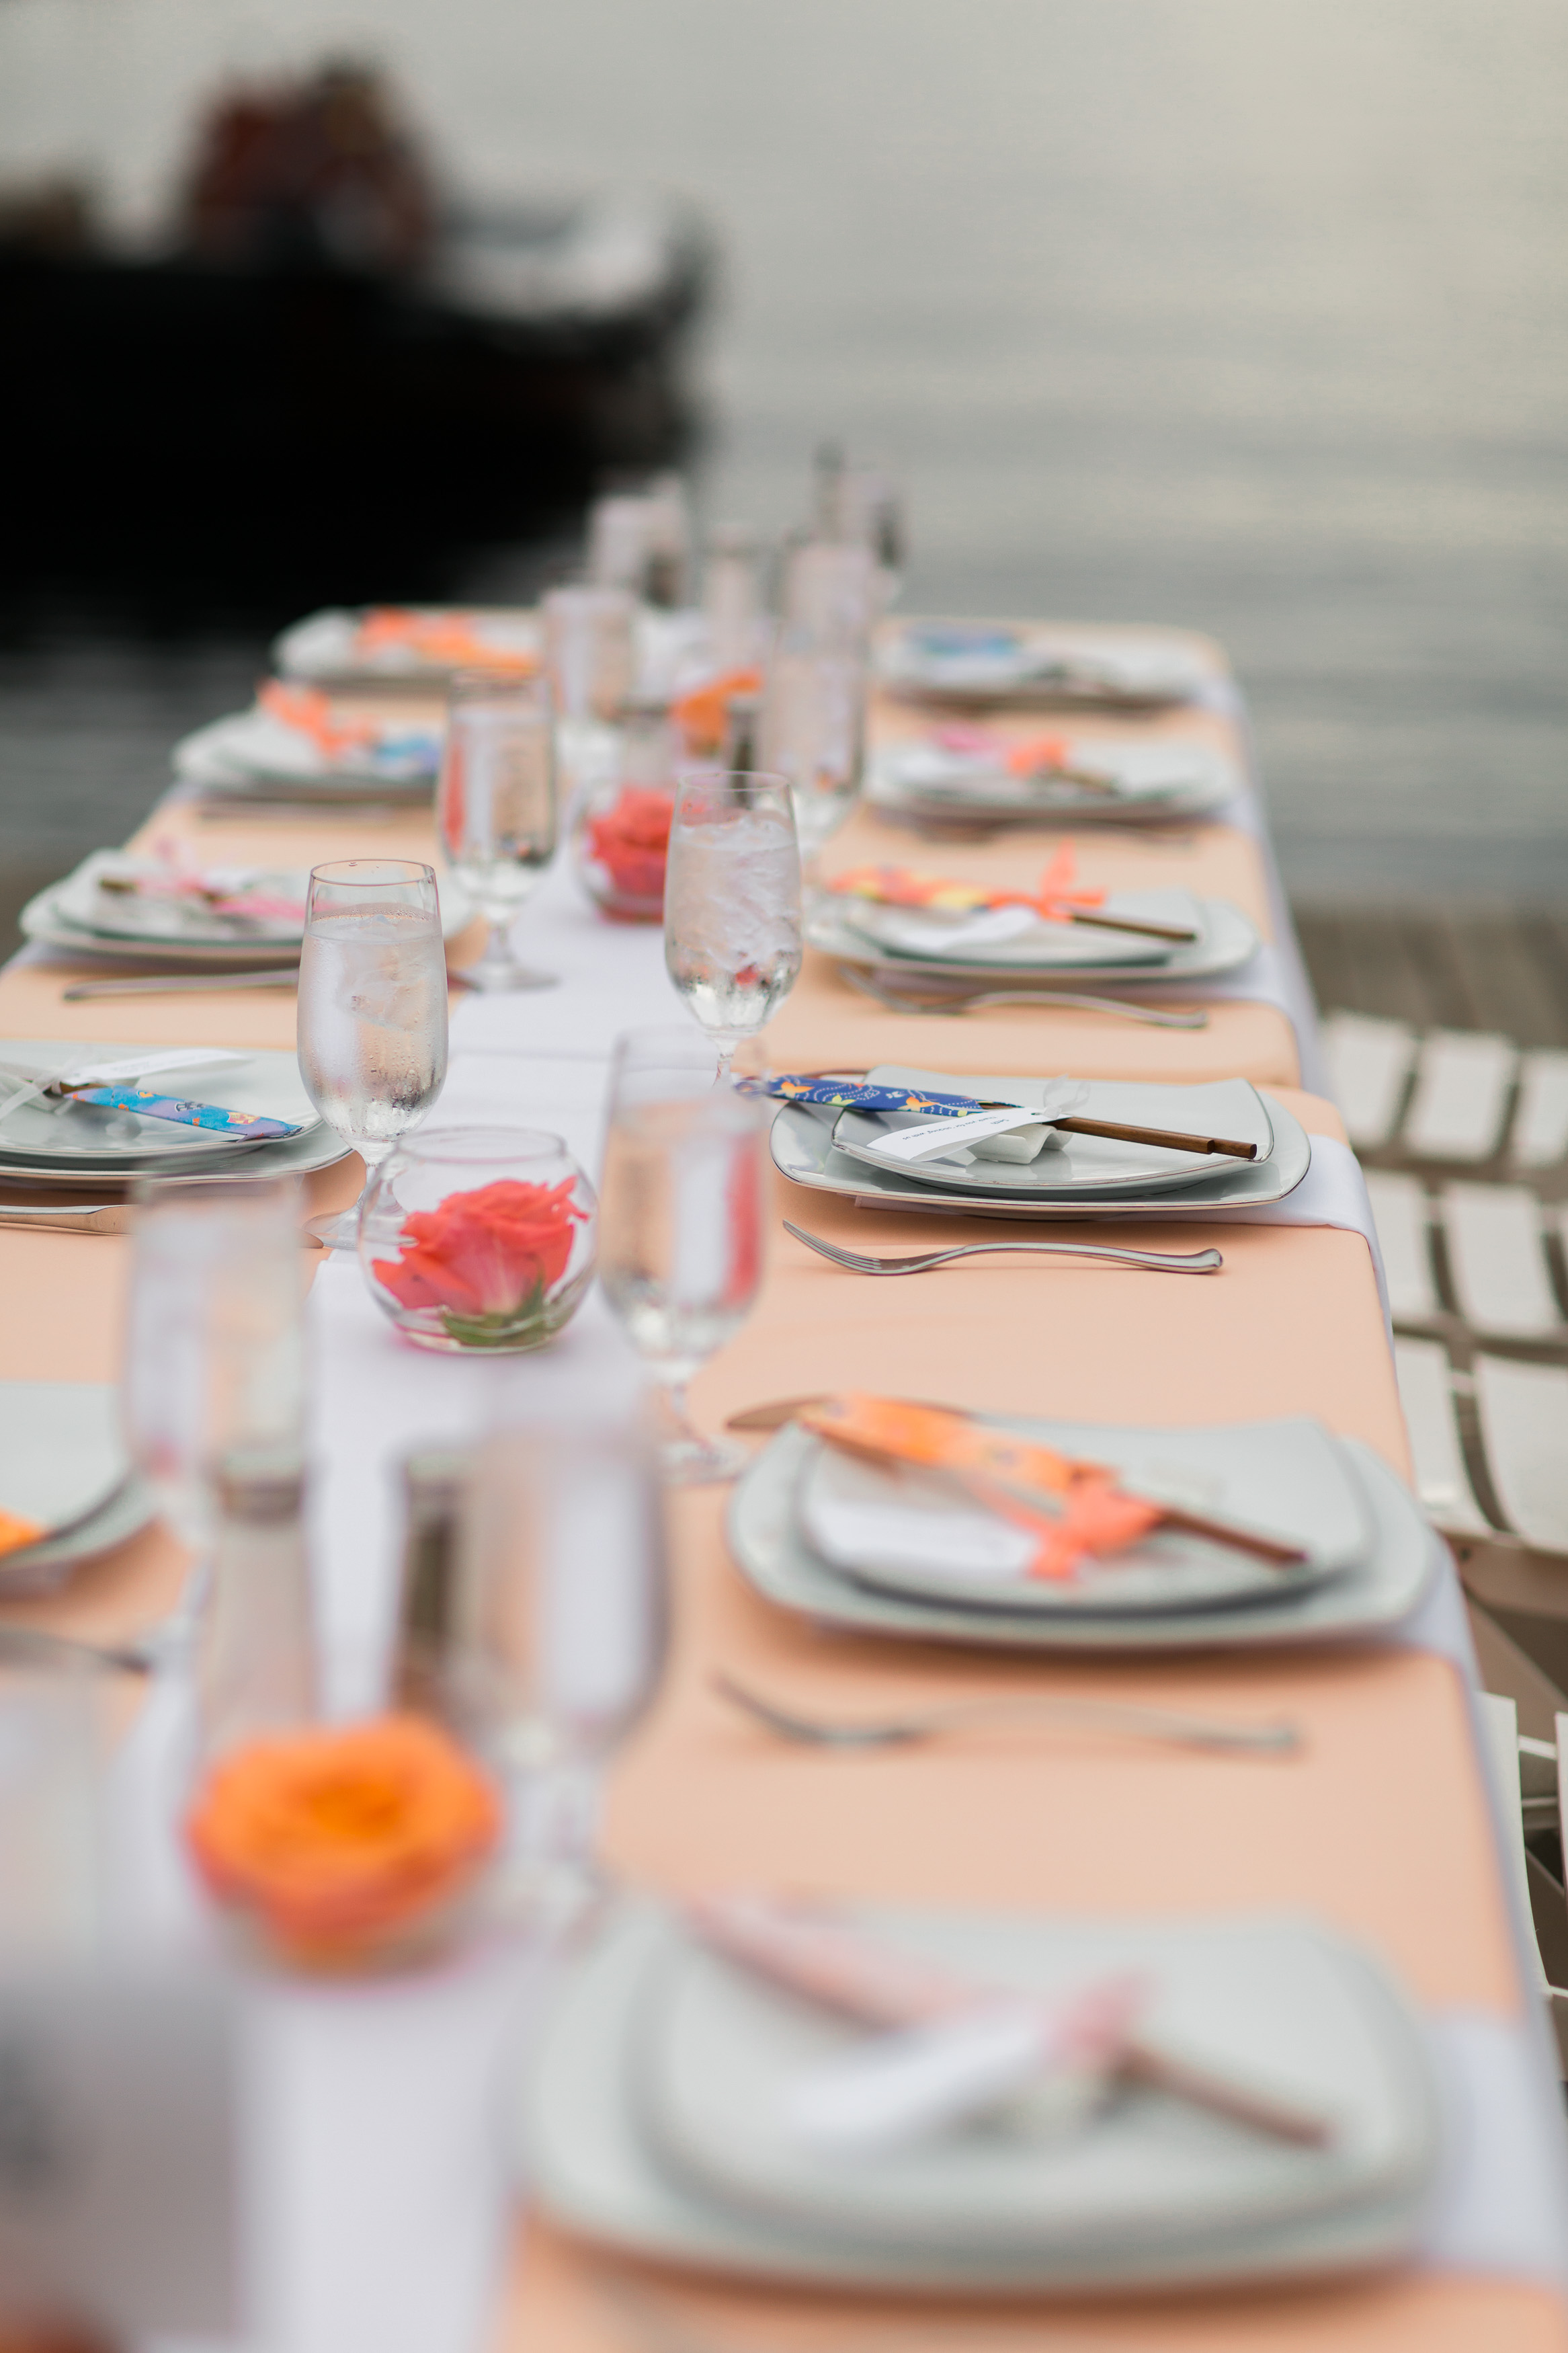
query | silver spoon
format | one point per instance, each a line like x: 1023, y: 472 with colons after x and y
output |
x: 1205, y: 1262
x: 907, y: 1001
x: 1274, y: 1739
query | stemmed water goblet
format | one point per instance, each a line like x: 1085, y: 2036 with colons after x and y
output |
x: 213, y: 1359
x: 732, y: 902
x: 557, y: 1638
x: 495, y: 807
x: 372, y: 1036
x: 680, y: 1221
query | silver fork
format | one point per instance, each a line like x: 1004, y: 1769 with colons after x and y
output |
x: 959, y: 1001
x: 1204, y: 1261
x: 1276, y: 1738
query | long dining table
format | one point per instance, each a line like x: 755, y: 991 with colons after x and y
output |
x: 1382, y: 1823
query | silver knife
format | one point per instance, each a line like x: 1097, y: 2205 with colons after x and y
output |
x: 105, y: 1218
x: 178, y: 983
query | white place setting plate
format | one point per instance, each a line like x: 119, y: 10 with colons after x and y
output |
x: 82, y: 1146
x: 58, y: 917
x: 659, y: 2118
x: 257, y: 754
x: 982, y: 662
x: 63, y: 1463
x: 1134, y: 779
x: 1028, y: 949
x: 88, y: 900
x: 44, y: 1134
x: 769, y: 1543
x: 804, y: 1149
x: 1070, y: 1167
x: 423, y: 647
x: 903, y: 1529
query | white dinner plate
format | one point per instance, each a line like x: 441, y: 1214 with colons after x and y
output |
x: 84, y: 902
x: 47, y: 920
x: 801, y: 1140
x: 989, y: 662
x: 903, y: 1529
x: 1014, y: 939
x: 1227, y: 940
x: 1151, y: 782
x: 770, y: 1549
x: 327, y: 649
x: 1075, y: 1165
x: 41, y: 1567
x: 251, y: 751
x: 46, y: 1136
x: 650, y: 2119
x: 62, y: 1455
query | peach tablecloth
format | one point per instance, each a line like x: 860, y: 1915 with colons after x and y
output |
x: 1379, y: 1824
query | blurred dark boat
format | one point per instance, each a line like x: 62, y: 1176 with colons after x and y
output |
x: 326, y: 363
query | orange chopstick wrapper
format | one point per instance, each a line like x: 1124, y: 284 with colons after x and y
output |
x: 904, y: 886
x: 1095, y: 1516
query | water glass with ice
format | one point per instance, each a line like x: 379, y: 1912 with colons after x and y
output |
x: 496, y: 808
x: 214, y: 1353
x: 732, y: 902
x: 372, y: 1008
x: 680, y: 1221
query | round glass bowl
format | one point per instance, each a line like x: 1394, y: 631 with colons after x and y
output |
x: 621, y: 817
x: 480, y: 1238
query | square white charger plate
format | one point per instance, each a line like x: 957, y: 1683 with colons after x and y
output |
x: 46, y: 1137
x: 240, y: 755
x: 647, y: 2120
x: 982, y: 662
x: 1075, y: 1165
x: 47, y: 921
x: 111, y: 1168
x: 1151, y: 782
x: 63, y: 1462
x: 803, y: 1148
x: 1229, y: 939
x: 1016, y: 939
x: 904, y: 1529
x: 770, y: 1549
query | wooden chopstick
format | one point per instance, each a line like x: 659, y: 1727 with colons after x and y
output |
x: 1171, y: 1139
x: 1133, y: 924
x: 1167, y: 1137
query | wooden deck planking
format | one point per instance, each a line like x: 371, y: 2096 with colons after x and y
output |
x: 1443, y: 967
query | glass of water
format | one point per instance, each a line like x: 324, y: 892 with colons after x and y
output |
x: 555, y: 1638
x: 680, y: 1222
x: 214, y: 1354
x: 813, y: 733
x: 372, y: 1036
x: 495, y: 807
x: 732, y: 902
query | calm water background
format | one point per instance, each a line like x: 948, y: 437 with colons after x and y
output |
x: 1245, y: 315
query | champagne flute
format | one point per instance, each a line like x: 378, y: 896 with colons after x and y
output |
x: 680, y: 1222
x: 732, y: 901
x: 372, y: 1036
x: 496, y: 808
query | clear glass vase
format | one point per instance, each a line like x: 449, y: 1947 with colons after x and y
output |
x: 479, y: 1239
